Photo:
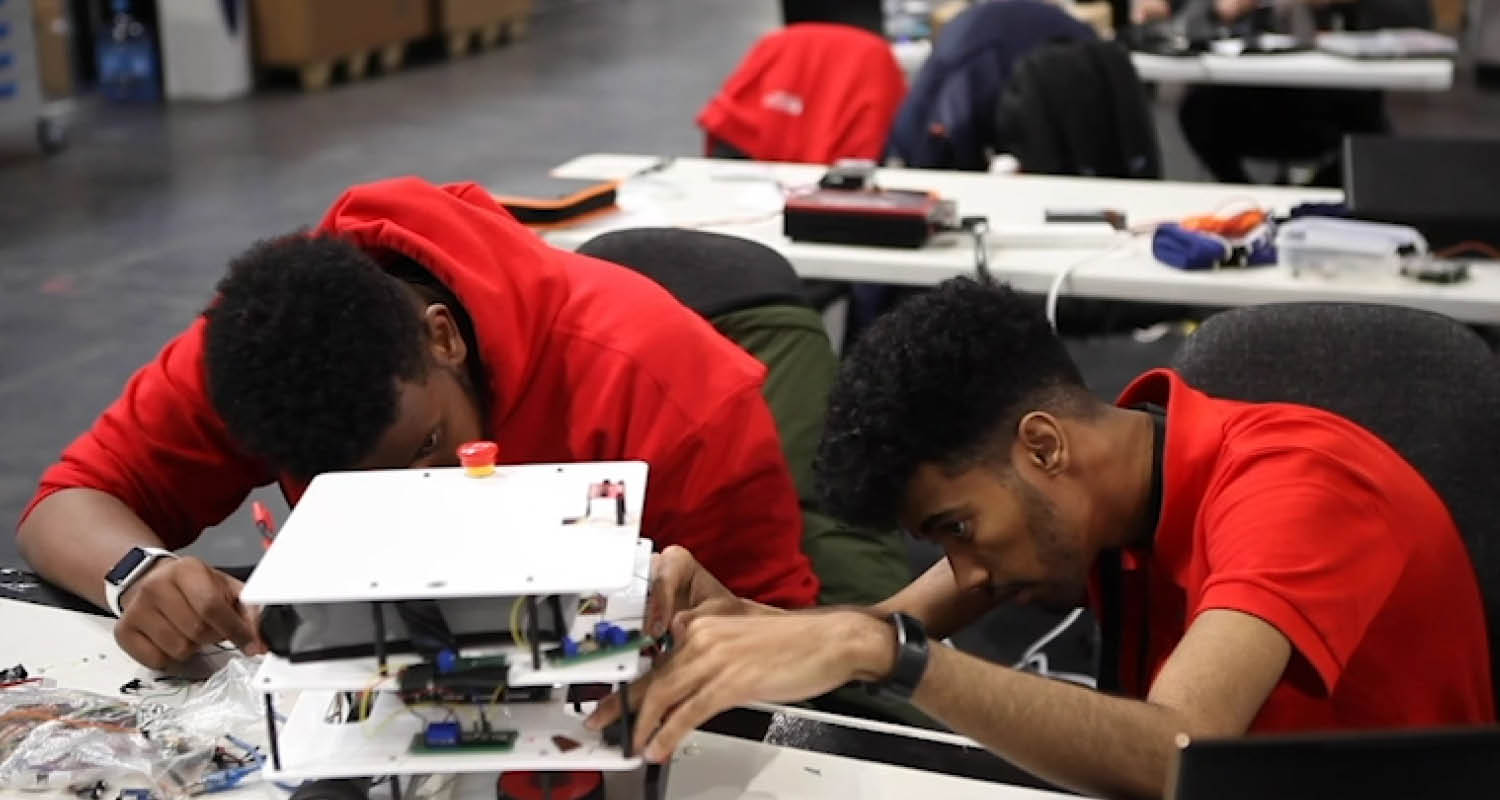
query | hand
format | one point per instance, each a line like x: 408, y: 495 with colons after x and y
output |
x: 680, y: 585
x: 1231, y: 10
x: 722, y: 662
x: 1144, y: 11
x: 179, y: 606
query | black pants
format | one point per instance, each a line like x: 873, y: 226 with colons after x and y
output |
x: 1226, y: 124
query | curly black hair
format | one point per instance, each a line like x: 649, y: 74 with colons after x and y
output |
x: 943, y: 379
x: 304, y: 346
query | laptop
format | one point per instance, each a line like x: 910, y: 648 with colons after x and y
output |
x: 1384, y: 765
x: 1445, y: 188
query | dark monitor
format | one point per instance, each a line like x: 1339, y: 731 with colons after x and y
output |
x: 1384, y: 765
x: 1445, y: 188
x: 867, y: 14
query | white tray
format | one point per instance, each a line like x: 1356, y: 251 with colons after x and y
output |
x: 438, y: 533
x: 381, y: 745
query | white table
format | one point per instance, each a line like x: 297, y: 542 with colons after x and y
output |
x: 744, y: 198
x: 78, y: 651
x: 1311, y: 70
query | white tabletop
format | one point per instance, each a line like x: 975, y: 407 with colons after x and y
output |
x: 1308, y: 70
x: 1301, y: 70
x: 713, y: 767
x: 78, y: 651
x: 744, y: 198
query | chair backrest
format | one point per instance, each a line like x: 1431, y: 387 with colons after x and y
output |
x: 947, y: 120
x: 812, y: 92
x: 710, y: 273
x: 1427, y: 385
x: 1078, y: 108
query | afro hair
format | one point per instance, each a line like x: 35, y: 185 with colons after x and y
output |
x: 943, y: 379
x: 304, y: 347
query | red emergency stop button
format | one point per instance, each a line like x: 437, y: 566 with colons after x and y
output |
x: 478, y: 458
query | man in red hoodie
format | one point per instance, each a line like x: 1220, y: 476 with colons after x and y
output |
x: 413, y: 319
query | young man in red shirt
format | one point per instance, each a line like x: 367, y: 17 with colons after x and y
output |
x: 1296, y: 572
x: 415, y: 318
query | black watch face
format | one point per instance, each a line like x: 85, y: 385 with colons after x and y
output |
x: 126, y: 565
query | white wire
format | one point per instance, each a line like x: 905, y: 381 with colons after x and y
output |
x: 1055, y: 290
x: 1047, y: 637
x: 1033, y: 660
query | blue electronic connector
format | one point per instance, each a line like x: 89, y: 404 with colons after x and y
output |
x: 441, y: 734
x: 569, y: 647
x: 446, y: 661
x: 224, y: 780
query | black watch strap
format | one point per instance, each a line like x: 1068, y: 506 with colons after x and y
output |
x: 911, y: 657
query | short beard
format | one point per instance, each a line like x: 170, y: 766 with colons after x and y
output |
x: 1065, y: 587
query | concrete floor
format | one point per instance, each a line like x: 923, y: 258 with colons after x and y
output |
x: 113, y: 246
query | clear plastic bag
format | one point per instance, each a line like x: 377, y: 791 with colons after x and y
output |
x: 164, y: 739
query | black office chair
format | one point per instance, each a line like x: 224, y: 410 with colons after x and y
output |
x: 711, y: 273
x: 1427, y: 385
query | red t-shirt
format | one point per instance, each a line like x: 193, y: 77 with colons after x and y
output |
x: 811, y: 92
x: 587, y: 361
x: 1313, y: 524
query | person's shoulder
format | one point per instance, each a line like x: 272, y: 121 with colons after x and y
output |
x: 1266, y: 428
x: 623, y: 321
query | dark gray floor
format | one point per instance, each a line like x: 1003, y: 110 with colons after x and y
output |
x: 113, y: 246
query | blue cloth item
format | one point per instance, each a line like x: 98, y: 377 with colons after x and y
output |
x: 1179, y: 247
x: 947, y: 120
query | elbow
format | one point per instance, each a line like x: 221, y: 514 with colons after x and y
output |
x: 26, y: 536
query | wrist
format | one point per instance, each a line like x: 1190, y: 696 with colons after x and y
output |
x: 870, y: 646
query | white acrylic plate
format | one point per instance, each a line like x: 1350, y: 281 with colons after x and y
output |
x: 438, y: 533
x: 624, y: 608
x: 312, y: 748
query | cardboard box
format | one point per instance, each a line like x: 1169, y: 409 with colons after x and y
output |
x: 54, y: 38
x: 296, y: 32
x: 462, y: 15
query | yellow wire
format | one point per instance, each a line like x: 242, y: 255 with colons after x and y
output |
x: 368, y: 698
x: 516, y: 630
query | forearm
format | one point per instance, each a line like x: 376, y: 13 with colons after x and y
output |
x: 1087, y: 741
x: 934, y: 599
x: 75, y: 536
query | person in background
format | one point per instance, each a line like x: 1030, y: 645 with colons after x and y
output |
x: 414, y: 319
x: 1224, y: 125
x: 1255, y: 567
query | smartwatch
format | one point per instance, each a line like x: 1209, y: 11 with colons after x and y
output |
x: 128, y: 570
x: 911, y: 657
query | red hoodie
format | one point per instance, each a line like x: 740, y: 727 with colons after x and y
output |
x: 586, y: 361
x: 813, y: 92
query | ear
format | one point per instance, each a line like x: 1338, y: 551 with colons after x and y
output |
x: 445, y: 344
x: 1041, y: 444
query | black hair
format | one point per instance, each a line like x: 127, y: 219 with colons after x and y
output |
x: 303, y: 350
x: 943, y: 379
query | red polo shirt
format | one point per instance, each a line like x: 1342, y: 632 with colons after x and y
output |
x: 1313, y: 524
